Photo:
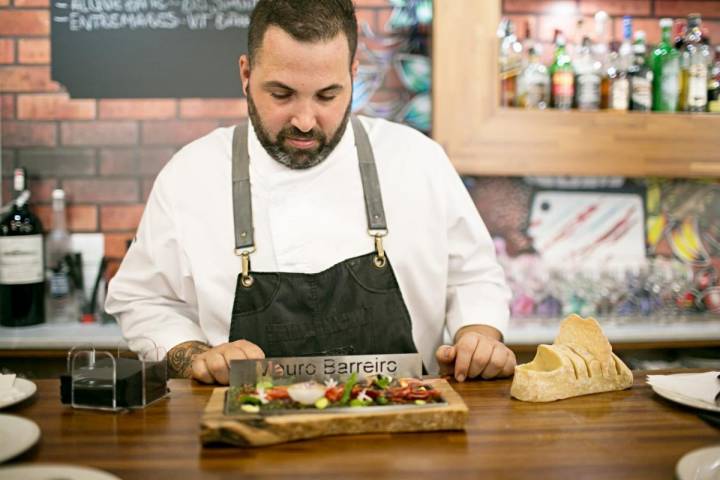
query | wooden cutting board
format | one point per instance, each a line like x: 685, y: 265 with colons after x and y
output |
x: 255, y: 430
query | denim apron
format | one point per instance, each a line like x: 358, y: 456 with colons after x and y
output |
x: 353, y: 308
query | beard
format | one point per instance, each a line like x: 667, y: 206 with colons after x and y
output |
x: 287, y: 155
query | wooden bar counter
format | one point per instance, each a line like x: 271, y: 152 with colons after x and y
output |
x: 632, y: 434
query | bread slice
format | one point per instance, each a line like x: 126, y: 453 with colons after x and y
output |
x: 579, y: 362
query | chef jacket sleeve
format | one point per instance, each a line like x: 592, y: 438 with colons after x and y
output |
x: 152, y: 296
x: 477, y: 292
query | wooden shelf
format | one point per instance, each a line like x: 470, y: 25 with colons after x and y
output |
x: 484, y: 139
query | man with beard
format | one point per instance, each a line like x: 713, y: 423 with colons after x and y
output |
x: 307, y: 231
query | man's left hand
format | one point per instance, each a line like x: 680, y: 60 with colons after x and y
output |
x: 476, y: 354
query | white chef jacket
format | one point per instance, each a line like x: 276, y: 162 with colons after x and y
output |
x: 177, y: 281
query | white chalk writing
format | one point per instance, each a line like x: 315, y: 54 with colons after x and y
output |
x: 94, y: 15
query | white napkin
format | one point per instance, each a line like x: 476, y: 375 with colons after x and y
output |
x: 8, y: 393
x: 700, y: 386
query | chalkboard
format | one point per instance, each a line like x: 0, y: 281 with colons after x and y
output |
x: 149, y: 48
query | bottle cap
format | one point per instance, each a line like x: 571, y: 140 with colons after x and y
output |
x: 601, y: 16
x: 627, y: 27
x: 694, y: 20
x: 666, y: 23
x: 58, y: 194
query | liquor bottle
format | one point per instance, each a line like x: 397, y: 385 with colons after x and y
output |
x: 588, y: 78
x: 62, y: 301
x: 679, y: 29
x: 694, y: 65
x: 510, y: 63
x: 666, y: 69
x: 641, y: 76
x: 619, y: 81
x: 601, y: 45
x: 601, y: 53
x: 22, y: 284
x: 626, y: 45
x: 535, y: 82
x: 574, y: 49
x: 527, y: 46
x: 562, y: 76
x: 611, y: 65
x: 714, y: 84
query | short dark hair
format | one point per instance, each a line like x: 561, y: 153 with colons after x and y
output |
x: 304, y: 20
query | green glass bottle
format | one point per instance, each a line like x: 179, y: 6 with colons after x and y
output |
x: 666, y: 67
x: 562, y: 77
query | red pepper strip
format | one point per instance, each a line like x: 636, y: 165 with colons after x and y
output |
x: 277, y: 393
x: 334, y: 394
x: 373, y: 393
x: 398, y: 392
x: 418, y: 395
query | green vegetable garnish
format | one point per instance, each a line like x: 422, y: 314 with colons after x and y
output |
x: 420, y: 402
x: 381, y: 400
x: 321, y: 403
x: 249, y: 400
x: 250, y: 408
x: 348, y: 389
x: 264, y: 383
x: 355, y: 402
x: 383, y: 381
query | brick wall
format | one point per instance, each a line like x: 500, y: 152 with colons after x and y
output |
x: 104, y: 153
x: 544, y: 16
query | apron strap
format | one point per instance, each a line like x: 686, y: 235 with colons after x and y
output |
x: 242, y: 198
x: 377, y: 225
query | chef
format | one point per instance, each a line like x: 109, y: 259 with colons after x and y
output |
x: 309, y: 231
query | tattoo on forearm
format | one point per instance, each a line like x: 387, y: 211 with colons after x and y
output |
x: 180, y: 357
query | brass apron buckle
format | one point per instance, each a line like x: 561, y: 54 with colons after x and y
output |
x: 380, y: 260
x: 246, y: 280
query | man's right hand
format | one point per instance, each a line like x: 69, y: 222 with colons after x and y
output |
x: 210, y: 365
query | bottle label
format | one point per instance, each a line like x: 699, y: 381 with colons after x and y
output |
x: 697, y: 86
x: 670, y: 84
x: 508, y: 92
x: 588, y: 91
x: 59, y: 284
x: 537, y: 96
x: 563, y: 84
x: 620, y: 94
x: 21, y: 259
x: 641, y: 93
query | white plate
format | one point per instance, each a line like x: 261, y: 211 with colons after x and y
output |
x: 23, y: 432
x: 690, y: 402
x: 25, y: 387
x: 47, y: 471
x: 700, y: 464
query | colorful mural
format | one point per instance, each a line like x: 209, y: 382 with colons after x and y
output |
x: 393, y: 80
x: 608, y: 246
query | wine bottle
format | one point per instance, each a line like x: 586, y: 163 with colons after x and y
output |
x: 22, y: 281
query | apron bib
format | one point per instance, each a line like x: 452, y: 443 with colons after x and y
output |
x: 354, y: 307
